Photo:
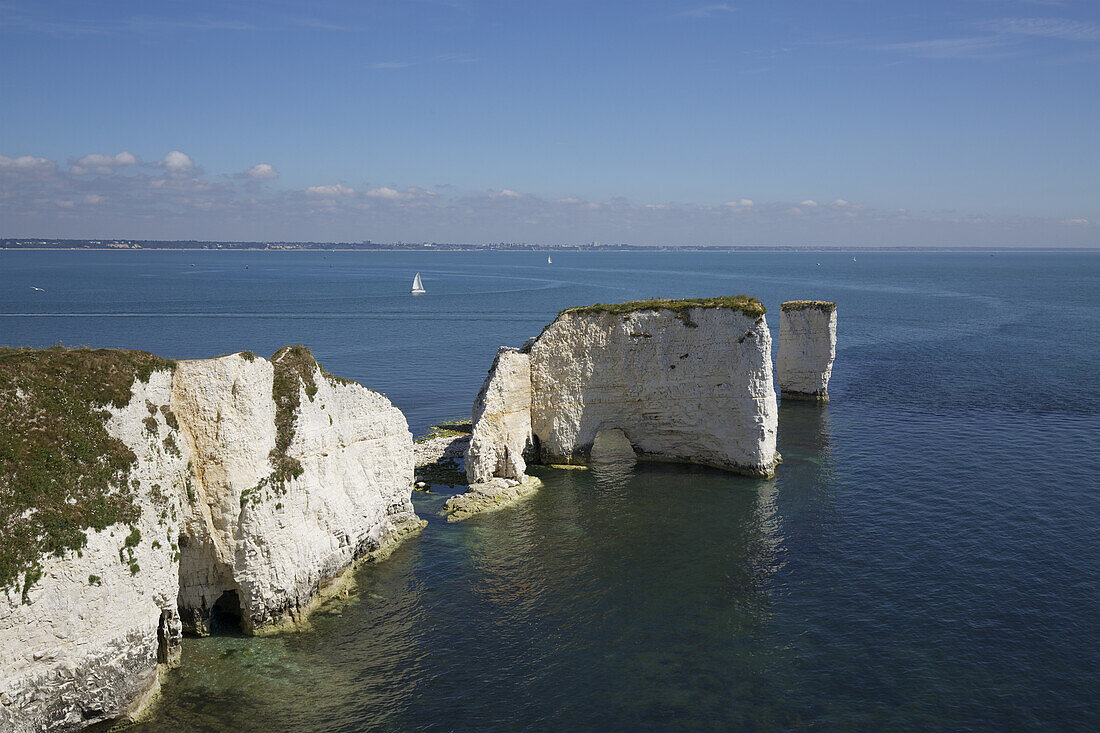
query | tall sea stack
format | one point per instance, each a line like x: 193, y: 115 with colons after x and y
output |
x: 807, y: 347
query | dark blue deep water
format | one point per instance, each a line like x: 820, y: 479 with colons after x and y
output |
x: 926, y: 558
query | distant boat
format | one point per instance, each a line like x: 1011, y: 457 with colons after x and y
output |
x: 853, y: 259
x: 418, y: 286
x: 548, y: 260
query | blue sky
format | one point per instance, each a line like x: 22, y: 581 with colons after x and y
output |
x: 754, y: 122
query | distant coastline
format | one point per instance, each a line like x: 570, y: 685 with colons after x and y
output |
x: 132, y: 245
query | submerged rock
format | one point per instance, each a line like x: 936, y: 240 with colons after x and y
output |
x: 487, y: 496
x: 807, y: 348
x: 253, y: 487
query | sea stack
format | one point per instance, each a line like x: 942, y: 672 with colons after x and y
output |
x: 807, y: 347
x: 679, y: 380
x: 170, y: 496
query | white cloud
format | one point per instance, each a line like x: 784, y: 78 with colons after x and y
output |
x: 177, y: 162
x: 179, y: 201
x: 330, y: 191
x: 100, y: 163
x: 950, y: 48
x: 386, y: 193
x: 26, y: 163
x: 261, y: 171
x: 1057, y: 28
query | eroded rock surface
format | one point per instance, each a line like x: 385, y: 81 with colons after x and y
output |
x: 83, y: 645
x: 693, y: 386
x: 807, y: 348
x: 502, y: 420
x: 674, y: 380
x: 222, y: 533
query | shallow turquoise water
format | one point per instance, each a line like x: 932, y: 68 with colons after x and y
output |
x: 926, y: 557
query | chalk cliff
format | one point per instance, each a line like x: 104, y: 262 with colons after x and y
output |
x: 682, y: 380
x: 807, y: 348
x: 502, y: 420
x: 495, y: 461
x: 243, y: 491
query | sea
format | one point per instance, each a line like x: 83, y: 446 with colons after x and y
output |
x: 926, y: 558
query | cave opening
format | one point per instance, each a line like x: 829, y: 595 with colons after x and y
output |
x: 162, y: 637
x: 225, y: 615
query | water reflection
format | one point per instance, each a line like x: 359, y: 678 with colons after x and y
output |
x: 622, y: 595
x: 611, y: 473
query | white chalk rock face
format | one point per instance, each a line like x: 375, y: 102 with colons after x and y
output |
x: 502, y: 420
x: 664, y: 380
x: 85, y: 645
x: 807, y: 348
x: 692, y: 385
x: 223, y: 536
x: 259, y: 552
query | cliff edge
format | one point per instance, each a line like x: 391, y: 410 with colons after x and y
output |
x: 140, y: 497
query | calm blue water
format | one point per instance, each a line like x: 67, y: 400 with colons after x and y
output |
x: 926, y: 557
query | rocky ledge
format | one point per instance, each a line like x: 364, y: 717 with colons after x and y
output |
x: 487, y: 496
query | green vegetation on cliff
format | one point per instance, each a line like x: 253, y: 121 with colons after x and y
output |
x: 294, y: 365
x: 60, y: 472
x: 801, y: 305
x: 750, y: 306
x: 447, y: 429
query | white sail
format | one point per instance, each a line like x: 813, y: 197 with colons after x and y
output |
x: 418, y: 287
x: 548, y: 260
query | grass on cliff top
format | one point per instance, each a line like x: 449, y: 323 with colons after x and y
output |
x: 801, y: 305
x: 750, y: 306
x: 60, y: 472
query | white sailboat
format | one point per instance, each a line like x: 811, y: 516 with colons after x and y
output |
x: 418, y: 286
x: 548, y: 260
